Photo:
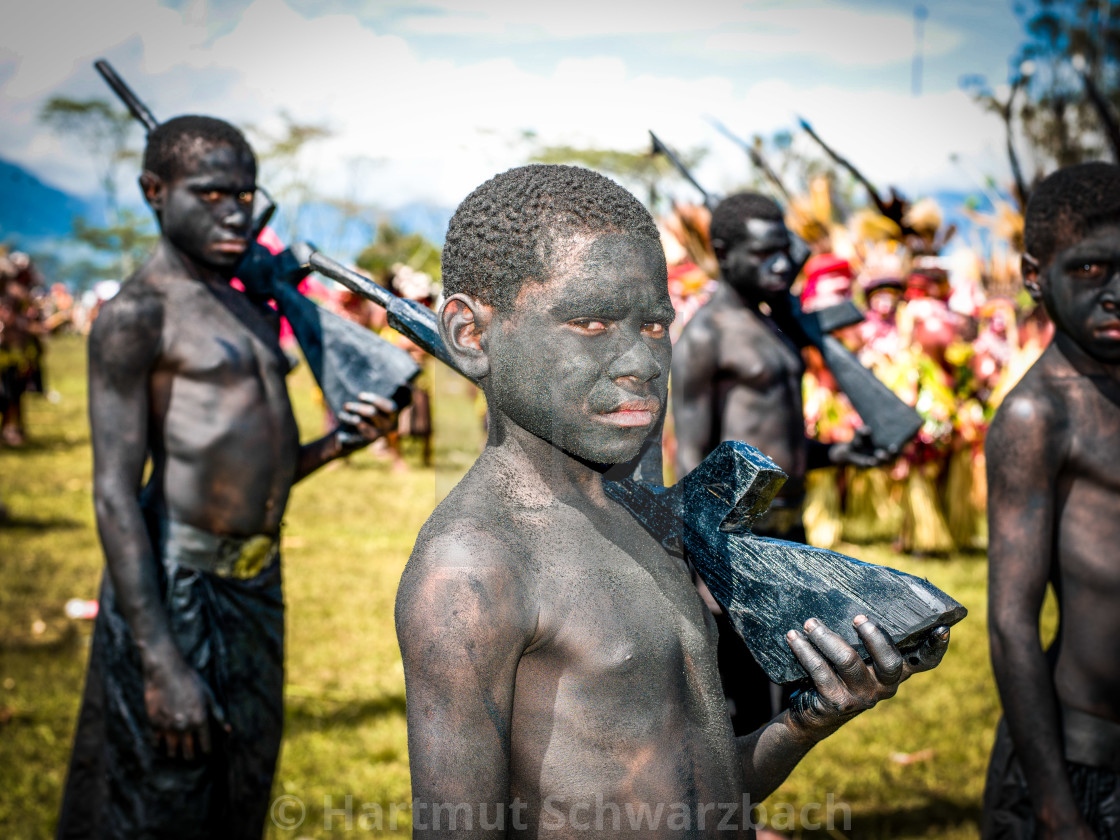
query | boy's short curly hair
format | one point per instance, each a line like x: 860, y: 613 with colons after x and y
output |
x: 502, y: 234
x: 730, y: 214
x: 171, y: 143
x: 1067, y: 205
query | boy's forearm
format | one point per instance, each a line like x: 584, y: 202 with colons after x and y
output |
x: 317, y: 453
x: 769, y: 754
x: 131, y: 564
x: 1033, y: 719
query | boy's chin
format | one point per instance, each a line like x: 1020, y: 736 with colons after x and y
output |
x: 605, y: 453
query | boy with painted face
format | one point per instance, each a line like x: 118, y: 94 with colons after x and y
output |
x: 1054, y: 491
x: 181, y: 719
x: 560, y: 666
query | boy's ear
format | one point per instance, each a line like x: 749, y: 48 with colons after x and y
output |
x: 1030, y: 271
x: 153, y: 188
x: 464, y: 323
x: 719, y: 248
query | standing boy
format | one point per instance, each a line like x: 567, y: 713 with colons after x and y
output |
x: 182, y: 713
x: 1053, y: 455
x: 560, y: 665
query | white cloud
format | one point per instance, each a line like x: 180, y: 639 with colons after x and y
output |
x: 441, y: 128
x: 837, y: 33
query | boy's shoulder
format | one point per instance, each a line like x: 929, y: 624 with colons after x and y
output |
x: 1034, y: 412
x: 475, y: 530
x: 133, y: 318
x: 470, y: 567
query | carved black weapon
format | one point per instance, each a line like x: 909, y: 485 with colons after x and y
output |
x: 345, y: 358
x: 409, y: 318
x: 766, y: 586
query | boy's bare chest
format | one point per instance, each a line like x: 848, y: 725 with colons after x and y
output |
x: 617, y: 605
x: 1093, y: 429
x: 208, y: 341
x: 752, y: 353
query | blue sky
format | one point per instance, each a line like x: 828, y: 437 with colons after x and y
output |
x: 425, y: 100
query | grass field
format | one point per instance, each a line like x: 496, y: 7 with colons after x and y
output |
x: 912, y: 768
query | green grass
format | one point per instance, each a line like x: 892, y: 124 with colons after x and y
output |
x: 348, y: 532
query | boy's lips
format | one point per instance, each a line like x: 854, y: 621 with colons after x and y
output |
x: 229, y: 246
x: 1110, y: 331
x: 633, y: 413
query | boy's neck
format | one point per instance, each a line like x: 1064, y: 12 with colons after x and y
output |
x: 1082, y: 362
x: 540, y: 469
x: 174, y: 261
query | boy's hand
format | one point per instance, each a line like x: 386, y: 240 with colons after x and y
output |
x: 860, y: 451
x: 843, y: 684
x: 179, y: 706
x: 361, y: 423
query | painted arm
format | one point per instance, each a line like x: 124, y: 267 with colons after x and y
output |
x: 694, y: 376
x: 843, y: 687
x: 463, y: 620
x: 361, y: 424
x: 1024, y: 459
x: 123, y: 348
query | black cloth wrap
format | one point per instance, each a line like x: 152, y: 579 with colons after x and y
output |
x: 120, y: 785
x: 1008, y: 811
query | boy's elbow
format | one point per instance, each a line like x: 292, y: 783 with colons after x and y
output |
x: 1010, y: 632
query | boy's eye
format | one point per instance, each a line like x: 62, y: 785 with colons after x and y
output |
x: 245, y: 197
x: 1089, y: 271
x: 653, y: 330
x: 211, y: 196
x: 593, y: 325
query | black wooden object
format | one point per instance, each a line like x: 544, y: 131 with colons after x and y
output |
x: 767, y: 586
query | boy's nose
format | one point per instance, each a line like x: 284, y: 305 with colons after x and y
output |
x: 637, y: 362
x: 779, y: 263
x: 236, y: 216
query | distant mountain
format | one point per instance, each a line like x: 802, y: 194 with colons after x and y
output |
x: 30, y: 209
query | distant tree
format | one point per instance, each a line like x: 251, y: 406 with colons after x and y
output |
x: 641, y: 171
x: 107, y: 133
x: 391, y: 247
x: 282, y: 167
x: 1063, y: 92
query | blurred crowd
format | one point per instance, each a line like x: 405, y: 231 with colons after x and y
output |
x: 950, y: 332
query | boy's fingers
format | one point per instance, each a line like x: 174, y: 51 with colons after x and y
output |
x: 188, y: 746
x: 204, y: 738
x: 928, y: 655
x: 816, y: 666
x: 364, y: 409
x: 884, y: 655
x: 843, y: 657
x: 383, y: 403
